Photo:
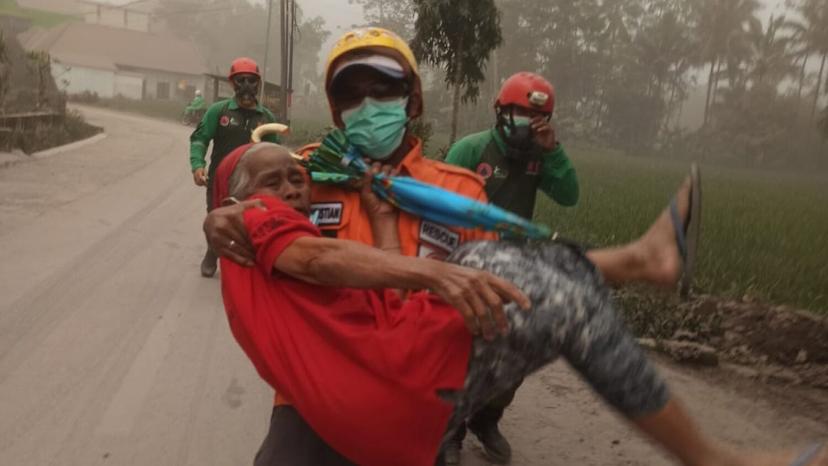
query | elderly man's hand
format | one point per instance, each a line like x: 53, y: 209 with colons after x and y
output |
x: 479, y: 296
x: 226, y: 234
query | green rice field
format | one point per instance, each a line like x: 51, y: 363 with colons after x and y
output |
x: 764, y: 234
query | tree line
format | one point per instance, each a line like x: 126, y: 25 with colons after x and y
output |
x: 629, y: 73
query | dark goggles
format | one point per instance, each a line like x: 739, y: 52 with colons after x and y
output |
x: 246, y: 80
x: 346, y: 92
x: 511, y: 111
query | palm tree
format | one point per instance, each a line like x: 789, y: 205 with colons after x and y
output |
x: 812, y: 33
x: 664, y: 47
x: 800, y: 52
x: 770, y: 60
x: 459, y: 37
x: 396, y: 15
x: 4, y: 72
x: 720, y: 26
x: 2, y: 47
x: 607, y: 38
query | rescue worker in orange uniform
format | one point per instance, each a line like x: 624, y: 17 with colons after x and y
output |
x: 374, y: 91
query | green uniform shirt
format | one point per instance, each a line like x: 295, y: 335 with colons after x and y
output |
x: 196, y: 104
x: 512, y: 183
x: 228, y: 126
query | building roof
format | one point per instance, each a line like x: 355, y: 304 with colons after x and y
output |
x: 139, y: 6
x: 104, y: 47
x: 78, y: 7
x: 66, y: 7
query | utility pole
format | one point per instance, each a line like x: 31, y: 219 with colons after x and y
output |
x: 266, y: 53
x: 283, y: 57
x: 290, y: 53
x: 287, y: 10
x: 284, y: 10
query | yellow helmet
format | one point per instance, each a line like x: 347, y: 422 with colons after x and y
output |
x: 370, y: 37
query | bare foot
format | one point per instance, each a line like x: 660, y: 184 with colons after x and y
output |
x: 791, y: 458
x: 658, y: 248
x: 724, y: 456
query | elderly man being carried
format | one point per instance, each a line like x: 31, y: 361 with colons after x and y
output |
x: 382, y: 379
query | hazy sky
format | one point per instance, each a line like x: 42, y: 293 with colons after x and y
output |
x: 340, y: 15
x: 337, y: 13
x: 773, y: 6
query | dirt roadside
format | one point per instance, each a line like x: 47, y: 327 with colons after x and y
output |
x: 773, y: 344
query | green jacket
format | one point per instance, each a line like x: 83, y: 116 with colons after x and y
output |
x: 512, y: 183
x: 228, y: 126
x: 196, y: 104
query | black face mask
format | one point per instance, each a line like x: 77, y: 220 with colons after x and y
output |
x: 246, y: 88
x: 520, y: 140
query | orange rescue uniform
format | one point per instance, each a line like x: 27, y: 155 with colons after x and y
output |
x: 341, y: 216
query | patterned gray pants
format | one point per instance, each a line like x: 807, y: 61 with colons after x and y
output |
x: 572, y: 316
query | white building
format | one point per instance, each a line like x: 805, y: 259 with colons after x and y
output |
x: 111, y: 61
x: 127, y: 14
x: 135, y: 15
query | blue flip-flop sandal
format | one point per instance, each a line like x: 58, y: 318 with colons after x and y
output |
x: 687, y: 231
x: 808, y: 455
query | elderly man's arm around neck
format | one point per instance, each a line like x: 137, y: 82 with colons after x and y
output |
x: 349, y: 264
x: 479, y: 296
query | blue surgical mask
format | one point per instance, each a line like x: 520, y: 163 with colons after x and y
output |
x: 377, y: 127
x: 521, y: 121
x: 521, y: 127
x: 517, y: 133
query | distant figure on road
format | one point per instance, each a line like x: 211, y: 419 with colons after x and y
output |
x: 228, y: 124
x: 195, y: 110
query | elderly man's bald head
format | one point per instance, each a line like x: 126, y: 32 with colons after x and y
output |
x: 269, y: 169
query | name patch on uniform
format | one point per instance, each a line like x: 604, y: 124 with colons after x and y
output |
x: 327, y: 213
x: 439, y: 235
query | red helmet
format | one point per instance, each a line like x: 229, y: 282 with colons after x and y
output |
x: 527, y: 90
x: 244, y: 65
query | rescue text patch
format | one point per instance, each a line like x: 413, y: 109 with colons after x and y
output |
x: 439, y: 235
x: 328, y: 213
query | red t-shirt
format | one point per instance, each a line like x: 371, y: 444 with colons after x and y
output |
x: 361, y: 366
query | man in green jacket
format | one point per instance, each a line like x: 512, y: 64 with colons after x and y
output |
x: 520, y: 155
x: 228, y: 124
x: 197, y: 104
x: 516, y: 158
